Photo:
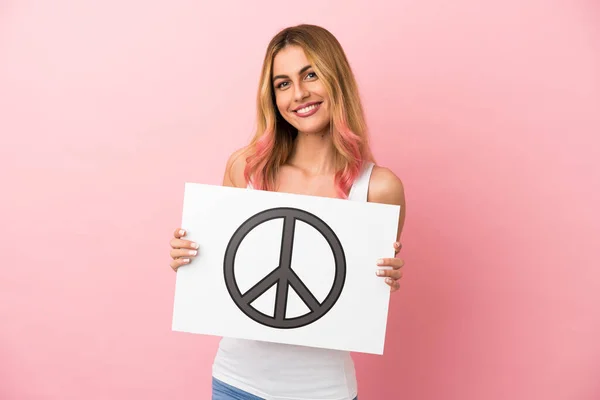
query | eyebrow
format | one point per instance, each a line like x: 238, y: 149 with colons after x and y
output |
x: 285, y: 76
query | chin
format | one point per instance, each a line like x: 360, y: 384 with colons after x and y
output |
x: 314, y: 128
x: 315, y: 131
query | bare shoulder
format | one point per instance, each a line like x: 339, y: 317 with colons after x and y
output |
x: 385, y: 187
x: 234, y: 169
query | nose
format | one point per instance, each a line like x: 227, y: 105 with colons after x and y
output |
x: 301, y: 92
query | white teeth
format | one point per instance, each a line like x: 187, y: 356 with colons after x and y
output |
x: 307, y: 109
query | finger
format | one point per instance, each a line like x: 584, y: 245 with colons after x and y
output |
x: 393, y: 284
x: 183, y: 253
x: 389, y: 273
x: 183, y: 244
x: 179, y: 233
x: 397, y: 247
x: 175, y: 264
x: 391, y: 262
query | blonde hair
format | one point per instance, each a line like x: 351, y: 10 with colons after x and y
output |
x: 273, y: 141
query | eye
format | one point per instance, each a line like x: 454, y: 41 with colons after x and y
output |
x: 311, y: 75
x: 281, y: 85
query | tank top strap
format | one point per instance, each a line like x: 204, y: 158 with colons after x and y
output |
x: 360, y: 189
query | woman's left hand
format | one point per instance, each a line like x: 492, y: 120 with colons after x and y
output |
x: 389, y: 268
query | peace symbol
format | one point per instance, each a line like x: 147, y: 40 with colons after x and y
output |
x: 284, y: 276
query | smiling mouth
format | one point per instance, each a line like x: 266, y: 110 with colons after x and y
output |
x: 308, y: 109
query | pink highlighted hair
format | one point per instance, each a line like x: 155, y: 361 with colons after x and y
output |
x: 273, y: 141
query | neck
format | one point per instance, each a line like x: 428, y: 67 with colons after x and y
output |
x: 314, y: 153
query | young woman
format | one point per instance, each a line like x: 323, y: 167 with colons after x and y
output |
x: 311, y: 139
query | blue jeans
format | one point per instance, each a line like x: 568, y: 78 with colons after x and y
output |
x: 223, y: 391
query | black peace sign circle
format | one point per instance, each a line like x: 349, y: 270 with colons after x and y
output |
x: 283, y: 276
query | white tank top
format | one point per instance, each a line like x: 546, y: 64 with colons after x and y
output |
x: 275, y: 371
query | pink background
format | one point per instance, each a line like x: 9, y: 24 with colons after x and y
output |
x: 488, y: 111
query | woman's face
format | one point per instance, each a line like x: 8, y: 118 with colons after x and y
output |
x: 300, y: 96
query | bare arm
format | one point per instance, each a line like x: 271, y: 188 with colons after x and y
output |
x: 184, y: 251
x: 385, y: 187
x: 234, y: 170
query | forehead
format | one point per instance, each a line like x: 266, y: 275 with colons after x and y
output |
x: 289, y: 61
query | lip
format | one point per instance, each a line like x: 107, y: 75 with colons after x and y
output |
x: 306, y: 105
x: 311, y: 112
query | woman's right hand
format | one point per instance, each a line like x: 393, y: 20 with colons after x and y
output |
x: 182, y: 251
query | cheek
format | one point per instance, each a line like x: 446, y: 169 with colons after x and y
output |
x: 281, y: 103
x: 319, y: 89
x: 322, y: 93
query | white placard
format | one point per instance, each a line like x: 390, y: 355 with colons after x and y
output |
x: 285, y: 268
